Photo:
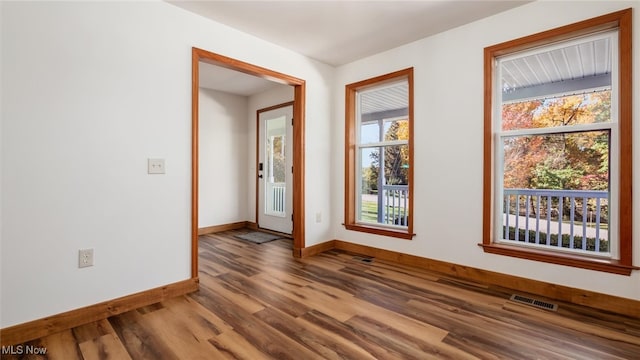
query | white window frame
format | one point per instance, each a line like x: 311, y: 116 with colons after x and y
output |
x: 611, y: 126
x: 359, y: 147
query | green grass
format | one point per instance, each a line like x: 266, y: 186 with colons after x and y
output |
x: 369, y: 211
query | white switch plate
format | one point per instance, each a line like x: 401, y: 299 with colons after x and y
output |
x: 85, y: 258
x: 155, y: 166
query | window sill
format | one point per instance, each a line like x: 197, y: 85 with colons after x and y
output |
x: 380, y: 231
x: 604, y: 265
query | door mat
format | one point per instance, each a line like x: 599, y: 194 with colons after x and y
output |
x: 258, y: 237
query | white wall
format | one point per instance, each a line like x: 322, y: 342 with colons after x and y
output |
x: 224, y: 145
x: 90, y: 90
x: 448, y: 70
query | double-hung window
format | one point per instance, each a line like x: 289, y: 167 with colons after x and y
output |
x: 557, y: 146
x: 379, y: 155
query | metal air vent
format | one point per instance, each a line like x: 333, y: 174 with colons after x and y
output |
x: 533, y: 302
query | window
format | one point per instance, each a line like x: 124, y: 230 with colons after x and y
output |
x: 379, y: 155
x: 557, y: 175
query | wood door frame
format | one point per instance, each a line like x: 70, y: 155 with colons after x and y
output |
x: 258, y: 112
x: 299, y: 85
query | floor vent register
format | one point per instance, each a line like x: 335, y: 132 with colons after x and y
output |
x: 533, y: 302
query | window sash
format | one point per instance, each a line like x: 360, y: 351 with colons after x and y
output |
x: 382, y: 122
x: 558, y: 129
x: 500, y: 200
x: 383, y: 144
x: 612, y: 125
x: 359, y: 190
x: 614, y: 170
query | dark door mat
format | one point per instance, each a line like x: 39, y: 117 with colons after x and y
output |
x: 258, y: 237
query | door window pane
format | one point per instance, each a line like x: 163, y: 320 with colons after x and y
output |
x: 275, y: 184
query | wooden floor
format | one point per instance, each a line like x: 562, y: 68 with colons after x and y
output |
x: 257, y: 302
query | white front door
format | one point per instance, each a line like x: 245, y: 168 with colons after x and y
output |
x: 275, y: 177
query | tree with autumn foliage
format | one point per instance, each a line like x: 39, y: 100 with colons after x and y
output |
x: 396, y: 158
x: 569, y: 161
x: 520, y: 154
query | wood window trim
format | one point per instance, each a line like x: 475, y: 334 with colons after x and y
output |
x: 350, y: 156
x: 622, y: 21
x: 407, y: 235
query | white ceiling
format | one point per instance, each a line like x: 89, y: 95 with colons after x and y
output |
x: 231, y: 81
x: 333, y: 32
x: 338, y: 32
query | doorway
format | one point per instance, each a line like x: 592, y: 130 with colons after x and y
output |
x: 275, y: 178
x: 297, y: 148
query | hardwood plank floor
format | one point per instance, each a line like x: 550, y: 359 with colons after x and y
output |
x: 258, y: 302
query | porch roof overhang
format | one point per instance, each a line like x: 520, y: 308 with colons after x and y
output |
x: 578, y: 67
x: 384, y: 103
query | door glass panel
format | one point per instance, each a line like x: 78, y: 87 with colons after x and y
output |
x: 275, y: 184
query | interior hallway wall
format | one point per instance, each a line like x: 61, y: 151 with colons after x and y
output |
x: 223, y: 151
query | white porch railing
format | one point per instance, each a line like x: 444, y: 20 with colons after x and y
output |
x: 570, y: 219
x: 393, y: 205
x: 276, y: 199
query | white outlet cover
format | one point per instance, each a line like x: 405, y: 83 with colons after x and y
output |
x: 85, y: 258
x: 155, y: 166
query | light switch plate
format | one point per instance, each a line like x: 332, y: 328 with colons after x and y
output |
x: 155, y: 166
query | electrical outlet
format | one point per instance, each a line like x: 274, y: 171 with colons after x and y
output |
x: 85, y: 258
x: 318, y: 217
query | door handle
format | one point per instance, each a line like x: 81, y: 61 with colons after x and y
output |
x: 260, y: 176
